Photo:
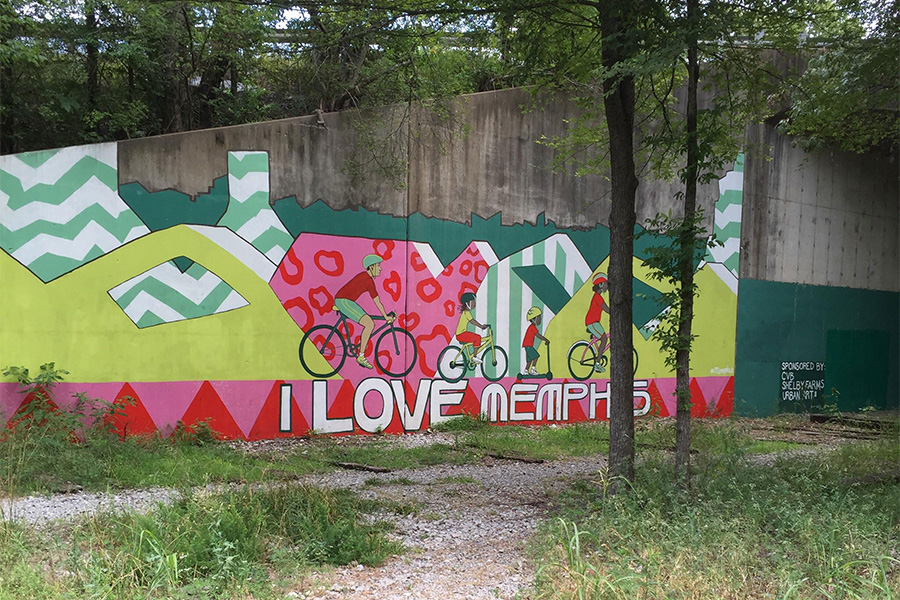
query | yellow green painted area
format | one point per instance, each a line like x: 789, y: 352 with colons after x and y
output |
x: 715, y: 312
x: 73, y: 321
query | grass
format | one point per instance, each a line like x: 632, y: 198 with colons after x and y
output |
x: 235, y: 544
x: 818, y: 527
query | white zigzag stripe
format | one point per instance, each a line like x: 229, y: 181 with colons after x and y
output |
x: 733, y: 180
x: 723, y: 253
x: 429, y: 258
x: 732, y: 214
x: 240, y: 248
x: 241, y: 189
x: 195, y: 290
x: 136, y: 232
x: 92, y: 235
x: 91, y: 193
x: 144, y: 303
x: 487, y: 253
x: 58, y: 165
x: 276, y: 253
x: 726, y: 275
x: 260, y: 224
x: 233, y: 301
x: 242, y: 154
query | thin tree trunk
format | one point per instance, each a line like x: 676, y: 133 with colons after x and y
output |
x: 686, y: 269
x: 619, y: 104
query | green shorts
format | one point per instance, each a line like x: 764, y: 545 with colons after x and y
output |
x: 531, y: 353
x: 350, y: 309
x: 596, y: 329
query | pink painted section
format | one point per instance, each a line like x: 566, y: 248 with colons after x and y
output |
x: 666, y: 387
x: 10, y: 400
x: 712, y: 388
x: 166, y: 402
x: 244, y: 400
x: 317, y: 266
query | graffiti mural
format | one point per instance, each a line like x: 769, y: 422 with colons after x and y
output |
x: 271, y: 319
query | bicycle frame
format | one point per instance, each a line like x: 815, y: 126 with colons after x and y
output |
x: 468, y: 349
x: 352, y: 348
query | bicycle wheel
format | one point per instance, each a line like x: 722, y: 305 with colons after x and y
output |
x: 396, y: 352
x: 323, y: 351
x: 634, y: 352
x: 581, y: 359
x: 492, y: 370
x: 451, y: 364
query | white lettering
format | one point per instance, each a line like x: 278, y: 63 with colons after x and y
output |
x: 379, y: 422
x: 552, y: 394
x: 445, y: 393
x: 521, y: 392
x: 572, y: 392
x: 597, y: 396
x: 494, y: 401
x: 320, y: 421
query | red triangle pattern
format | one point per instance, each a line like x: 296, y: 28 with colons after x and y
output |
x: 129, y: 418
x: 21, y: 416
x: 657, y: 406
x: 698, y: 402
x: 576, y: 412
x: 267, y: 424
x: 470, y: 405
x: 207, y: 405
x: 725, y: 405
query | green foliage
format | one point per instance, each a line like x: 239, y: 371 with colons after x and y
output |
x: 221, y: 545
x: 684, y: 241
x: 847, y: 95
x: 819, y: 526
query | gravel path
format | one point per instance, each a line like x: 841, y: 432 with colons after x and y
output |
x: 466, y: 537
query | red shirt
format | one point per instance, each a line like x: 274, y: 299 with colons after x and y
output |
x: 530, y: 334
x: 357, y: 286
x: 595, y: 310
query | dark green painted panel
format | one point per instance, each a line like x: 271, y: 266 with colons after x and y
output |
x: 167, y: 208
x: 779, y: 322
x: 857, y: 368
x: 183, y: 263
x: 448, y: 239
x: 647, y: 303
x: 544, y: 285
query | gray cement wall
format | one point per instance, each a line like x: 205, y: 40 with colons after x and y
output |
x: 824, y: 218
x: 481, y: 157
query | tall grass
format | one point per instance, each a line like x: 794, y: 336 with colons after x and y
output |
x: 823, y: 526
x: 222, y: 545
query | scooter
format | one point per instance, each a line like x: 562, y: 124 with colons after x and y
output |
x: 548, y: 375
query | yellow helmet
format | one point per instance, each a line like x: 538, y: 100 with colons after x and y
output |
x: 533, y: 312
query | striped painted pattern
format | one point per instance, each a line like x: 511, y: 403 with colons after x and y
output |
x: 249, y: 214
x: 728, y: 220
x: 503, y: 298
x: 60, y: 209
x: 164, y: 295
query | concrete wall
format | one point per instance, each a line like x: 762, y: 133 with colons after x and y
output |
x: 818, y: 303
x: 827, y: 218
x: 197, y: 274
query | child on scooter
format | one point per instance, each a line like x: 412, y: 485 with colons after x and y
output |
x: 532, y: 340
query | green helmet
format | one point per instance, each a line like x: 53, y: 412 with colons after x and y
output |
x: 371, y: 259
x: 467, y: 297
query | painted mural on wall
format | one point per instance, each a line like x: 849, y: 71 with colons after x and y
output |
x: 269, y: 319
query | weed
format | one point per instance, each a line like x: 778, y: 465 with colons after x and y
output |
x: 804, y: 527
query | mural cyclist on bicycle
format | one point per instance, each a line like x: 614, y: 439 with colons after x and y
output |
x: 346, y: 297
x: 592, y: 318
x: 465, y: 329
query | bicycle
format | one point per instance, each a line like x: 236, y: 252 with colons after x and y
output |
x: 332, y: 344
x: 583, y: 356
x: 454, y: 361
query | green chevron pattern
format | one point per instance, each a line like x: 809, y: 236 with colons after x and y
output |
x: 59, y: 209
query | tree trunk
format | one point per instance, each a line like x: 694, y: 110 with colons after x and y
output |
x: 617, y: 30
x: 686, y: 269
